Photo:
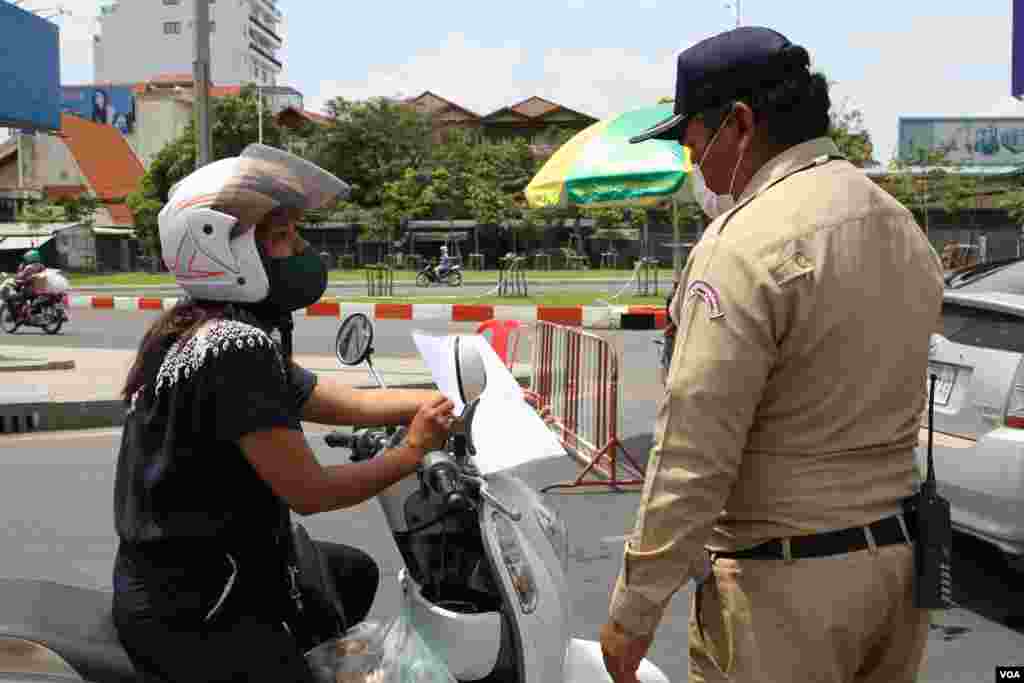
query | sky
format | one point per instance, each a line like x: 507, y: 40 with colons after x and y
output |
x: 888, y: 58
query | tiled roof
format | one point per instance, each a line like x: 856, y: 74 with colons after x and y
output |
x: 433, y: 103
x: 64, y: 191
x: 534, y: 107
x: 284, y: 114
x: 316, y: 118
x: 106, y: 160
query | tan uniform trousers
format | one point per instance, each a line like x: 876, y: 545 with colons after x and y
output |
x: 839, y: 619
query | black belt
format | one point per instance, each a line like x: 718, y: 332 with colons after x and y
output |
x: 888, y: 531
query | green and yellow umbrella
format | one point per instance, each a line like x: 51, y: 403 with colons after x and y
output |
x: 598, y: 167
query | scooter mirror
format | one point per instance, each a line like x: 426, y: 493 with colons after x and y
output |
x: 470, y: 372
x: 354, y: 342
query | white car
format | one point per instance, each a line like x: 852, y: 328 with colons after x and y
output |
x: 978, y: 441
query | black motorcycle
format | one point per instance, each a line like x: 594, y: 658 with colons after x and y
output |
x: 48, y: 311
x: 428, y: 276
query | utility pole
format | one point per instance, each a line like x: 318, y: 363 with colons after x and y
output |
x: 201, y: 77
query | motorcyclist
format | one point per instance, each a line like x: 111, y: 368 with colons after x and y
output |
x: 32, y: 265
x: 213, y: 458
x: 444, y: 265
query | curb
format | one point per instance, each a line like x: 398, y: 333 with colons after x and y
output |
x: 35, y: 364
x: 643, y: 317
x: 21, y: 418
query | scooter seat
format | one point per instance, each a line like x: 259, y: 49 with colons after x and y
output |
x: 74, y: 622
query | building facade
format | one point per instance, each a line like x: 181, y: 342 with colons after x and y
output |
x: 139, y: 39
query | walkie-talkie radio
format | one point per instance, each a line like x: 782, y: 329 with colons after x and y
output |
x: 928, y: 513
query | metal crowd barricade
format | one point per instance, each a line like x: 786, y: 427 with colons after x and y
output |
x: 647, y: 277
x: 511, y: 277
x: 380, y: 280
x: 577, y: 374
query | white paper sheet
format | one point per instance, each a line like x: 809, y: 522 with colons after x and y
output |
x: 507, y: 432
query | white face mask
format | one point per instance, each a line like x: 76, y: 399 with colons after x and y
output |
x: 712, y: 203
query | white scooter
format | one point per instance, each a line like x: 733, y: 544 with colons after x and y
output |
x: 485, y: 580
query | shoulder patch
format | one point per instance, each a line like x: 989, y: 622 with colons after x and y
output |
x: 220, y: 337
x: 706, y: 292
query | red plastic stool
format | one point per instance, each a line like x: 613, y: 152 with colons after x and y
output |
x: 503, y: 336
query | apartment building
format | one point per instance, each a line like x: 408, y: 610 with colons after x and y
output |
x: 140, y: 39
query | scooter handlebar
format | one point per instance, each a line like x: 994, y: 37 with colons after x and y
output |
x: 341, y: 440
x: 442, y: 479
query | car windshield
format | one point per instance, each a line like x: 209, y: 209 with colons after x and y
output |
x: 1004, y: 276
x: 982, y: 328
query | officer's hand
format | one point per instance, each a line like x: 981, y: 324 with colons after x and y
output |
x: 430, y: 427
x: 622, y: 652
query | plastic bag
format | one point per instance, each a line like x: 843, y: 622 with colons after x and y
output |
x: 54, y: 282
x: 379, y: 652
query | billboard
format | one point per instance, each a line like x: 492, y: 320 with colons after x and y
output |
x: 29, y: 70
x: 110, y: 104
x: 968, y: 141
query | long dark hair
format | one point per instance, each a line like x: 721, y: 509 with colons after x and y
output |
x: 180, y: 323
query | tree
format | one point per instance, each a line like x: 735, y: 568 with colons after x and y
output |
x: 846, y: 128
x: 78, y: 209
x: 370, y: 144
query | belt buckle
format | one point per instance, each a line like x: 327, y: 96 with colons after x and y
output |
x: 787, y: 550
x: 870, y: 536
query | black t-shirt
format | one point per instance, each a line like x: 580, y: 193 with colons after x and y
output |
x: 181, y: 474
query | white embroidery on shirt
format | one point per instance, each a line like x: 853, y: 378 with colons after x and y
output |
x: 220, y: 336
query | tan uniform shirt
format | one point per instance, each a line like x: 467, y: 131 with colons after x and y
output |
x: 797, y: 382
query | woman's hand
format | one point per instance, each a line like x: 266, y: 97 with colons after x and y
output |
x: 431, y: 425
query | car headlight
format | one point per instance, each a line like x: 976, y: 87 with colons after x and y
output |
x: 554, y: 527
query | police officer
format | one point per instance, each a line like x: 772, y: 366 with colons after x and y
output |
x: 785, y: 441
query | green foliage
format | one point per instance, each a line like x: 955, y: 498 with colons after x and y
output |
x: 370, y: 144
x: 846, y: 128
x: 78, y: 209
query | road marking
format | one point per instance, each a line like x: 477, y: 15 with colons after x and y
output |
x: 63, y: 435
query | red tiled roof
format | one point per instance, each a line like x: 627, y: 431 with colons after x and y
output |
x: 316, y: 118
x: 64, y: 191
x: 172, y: 79
x: 225, y: 90
x: 311, y: 116
x: 106, y: 160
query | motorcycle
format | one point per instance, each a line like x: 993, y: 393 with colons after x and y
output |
x: 428, y: 276
x: 485, y: 577
x: 48, y: 310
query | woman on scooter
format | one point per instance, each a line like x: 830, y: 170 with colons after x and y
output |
x: 213, y: 457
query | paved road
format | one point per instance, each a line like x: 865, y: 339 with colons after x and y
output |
x: 104, y: 329
x: 56, y: 491
x: 57, y: 503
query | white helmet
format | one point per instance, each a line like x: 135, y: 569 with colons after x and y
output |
x: 213, y: 255
x: 444, y: 250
